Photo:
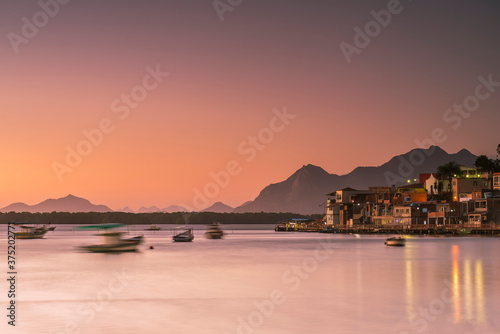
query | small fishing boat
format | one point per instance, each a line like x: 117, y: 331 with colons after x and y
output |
x: 395, y: 241
x: 214, y: 231
x: 113, y: 241
x: 31, y: 232
x: 183, y: 235
x: 153, y: 228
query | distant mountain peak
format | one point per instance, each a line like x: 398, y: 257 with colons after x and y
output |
x: 70, y: 203
x: 219, y: 207
x: 304, y: 191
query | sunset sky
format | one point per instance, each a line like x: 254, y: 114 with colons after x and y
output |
x: 177, y: 92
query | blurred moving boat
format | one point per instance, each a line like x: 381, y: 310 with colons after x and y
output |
x: 153, y: 228
x: 113, y: 241
x: 214, y: 231
x: 185, y: 236
x: 49, y: 228
x: 395, y: 241
x: 31, y: 232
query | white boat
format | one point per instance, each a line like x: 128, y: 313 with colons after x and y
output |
x: 214, y: 231
x: 113, y: 241
x: 395, y: 241
x: 183, y: 235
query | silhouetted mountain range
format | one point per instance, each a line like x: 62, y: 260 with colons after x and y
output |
x: 69, y: 203
x: 304, y: 192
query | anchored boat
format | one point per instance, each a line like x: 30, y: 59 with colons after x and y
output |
x: 395, y: 241
x: 183, y: 234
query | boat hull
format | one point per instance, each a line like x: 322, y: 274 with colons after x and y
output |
x: 183, y: 238
x: 30, y: 235
x: 398, y: 242
x: 126, y: 245
x: 110, y: 248
x: 214, y: 234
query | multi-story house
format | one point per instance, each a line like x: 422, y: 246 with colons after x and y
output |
x: 496, y: 181
x: 347, y: 206
x: 463, y: 187
x: 412, y: 214
x: 444, y: 214
x: 411, y: 193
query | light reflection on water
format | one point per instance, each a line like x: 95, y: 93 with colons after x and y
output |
x: 348, y: 285
x: 455, y: 251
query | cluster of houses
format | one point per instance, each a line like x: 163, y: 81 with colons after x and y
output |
x: 470, y: 198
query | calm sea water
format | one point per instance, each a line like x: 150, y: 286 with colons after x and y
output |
x: 255, y: 280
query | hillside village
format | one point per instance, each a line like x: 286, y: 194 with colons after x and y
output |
x: 468, y: 199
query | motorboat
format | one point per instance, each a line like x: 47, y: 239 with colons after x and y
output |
x: 395, y: 241
x: 113, y: 240
x: 31, y: 232
x: 214, y: 231
x: 153, y: 228
x: 183, y: 235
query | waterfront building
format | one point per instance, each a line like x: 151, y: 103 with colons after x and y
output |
x: 444, y: 214
x: 496, y: 181
x: 462, y: 188
x: 434, y: 184
x: 410, y: 193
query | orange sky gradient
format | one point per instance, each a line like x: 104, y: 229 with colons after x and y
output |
x: 225, y: 79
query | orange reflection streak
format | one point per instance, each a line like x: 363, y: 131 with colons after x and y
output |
x: 455, y: 275
x: 480, y: 300
x: 410, y: 297
x: 469, y: 309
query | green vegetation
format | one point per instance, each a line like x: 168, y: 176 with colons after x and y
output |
x: 487, y: 165
x: 448, y: 170
x: 177, y: 218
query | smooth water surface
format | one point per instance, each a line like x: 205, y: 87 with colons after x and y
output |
x: 255, y: 280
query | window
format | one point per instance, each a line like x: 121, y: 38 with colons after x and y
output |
x: 407, y: 211
x: 424, y: 210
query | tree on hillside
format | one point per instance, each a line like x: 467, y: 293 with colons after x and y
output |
x: 485, y: 165
x: 449, y: 170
